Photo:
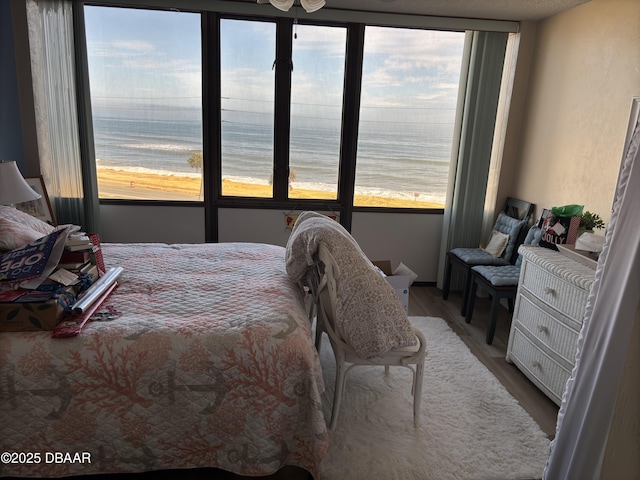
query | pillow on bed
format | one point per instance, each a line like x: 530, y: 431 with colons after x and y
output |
x: 15, y: 235
x: 370, y: 316
x: 23, y: 218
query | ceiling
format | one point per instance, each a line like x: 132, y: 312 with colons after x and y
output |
x: 486, y: 9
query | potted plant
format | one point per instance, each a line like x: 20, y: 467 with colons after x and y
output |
x: 590, y: 221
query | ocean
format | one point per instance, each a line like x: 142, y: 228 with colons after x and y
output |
x: 393, y: 160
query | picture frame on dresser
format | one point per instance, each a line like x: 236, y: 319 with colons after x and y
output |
x: 40, y: 208
x: 545, y: 213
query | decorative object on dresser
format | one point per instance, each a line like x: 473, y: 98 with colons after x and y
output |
x: 550, y: 305
x: 589, y: 222
x: 560, y: 225
x: 511, y: 222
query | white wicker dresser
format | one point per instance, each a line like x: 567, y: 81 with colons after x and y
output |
x: 551, y: 301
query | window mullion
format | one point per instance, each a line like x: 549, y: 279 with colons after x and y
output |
x: 350, y: 120
x: 282, y: 120
x: 211, y: 121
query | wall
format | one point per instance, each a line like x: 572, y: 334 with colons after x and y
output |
x: 413, y: 239
x: 577, y: 94
x: 130, y: 223
x: 585, y: 69
x: 10, y: 112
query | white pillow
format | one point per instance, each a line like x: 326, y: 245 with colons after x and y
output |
x: 497, y: 244
x: 369, y: 313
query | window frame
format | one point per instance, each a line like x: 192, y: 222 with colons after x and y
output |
x: 355, y: 23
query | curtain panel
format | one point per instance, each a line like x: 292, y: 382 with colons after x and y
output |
x: 598, y: 422
x: 463, y: 221
x: 51, y: 47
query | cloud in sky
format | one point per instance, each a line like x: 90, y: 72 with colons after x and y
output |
x: 145, y: 55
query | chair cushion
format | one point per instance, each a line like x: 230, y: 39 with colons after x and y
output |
x: 477, y: 256
x: 512, y: 227
x: 533, y: 238
x: 499, y: 276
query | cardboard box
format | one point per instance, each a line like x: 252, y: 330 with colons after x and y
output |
x: 31, y: 315
x: 31, y: 310
x: 400, y: 283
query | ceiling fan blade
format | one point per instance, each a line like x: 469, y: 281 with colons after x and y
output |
x: 311, y: 6
x: 283, y: 5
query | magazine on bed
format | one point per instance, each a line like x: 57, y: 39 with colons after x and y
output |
x: 29, y: 266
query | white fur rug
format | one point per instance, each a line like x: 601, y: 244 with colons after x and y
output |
x: 471, y: 427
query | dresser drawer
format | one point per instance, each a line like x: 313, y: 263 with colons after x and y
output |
x: 562, y: 296
x: 541, y: 369
x: 558, y: 334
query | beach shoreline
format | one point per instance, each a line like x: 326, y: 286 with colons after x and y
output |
x: 114, y: 183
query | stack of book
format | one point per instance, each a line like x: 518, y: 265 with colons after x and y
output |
x: 79, y: 254
x: 41, y: 281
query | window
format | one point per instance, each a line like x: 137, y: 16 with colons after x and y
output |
x: 317, y: 81
x: 146, y: 96
x: 247, y: 52
x: 409, y: 94
x: 145, y: 75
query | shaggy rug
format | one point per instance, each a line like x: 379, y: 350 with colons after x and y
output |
x: 471, y: 427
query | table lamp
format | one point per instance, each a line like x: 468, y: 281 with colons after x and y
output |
x: 13, y: 187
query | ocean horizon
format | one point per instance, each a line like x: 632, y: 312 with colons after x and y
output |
x: 387, y: 156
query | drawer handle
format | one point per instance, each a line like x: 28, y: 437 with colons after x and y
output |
x: 543, y: 329
x: 549, y: 291
x: 536, y: 364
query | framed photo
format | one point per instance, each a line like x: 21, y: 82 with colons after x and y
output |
x: 40, y: 208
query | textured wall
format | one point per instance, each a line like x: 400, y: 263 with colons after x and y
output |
x: 584, y: 71
x: 10, y: 131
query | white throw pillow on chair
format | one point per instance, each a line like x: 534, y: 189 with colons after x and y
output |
x: 497, y: 244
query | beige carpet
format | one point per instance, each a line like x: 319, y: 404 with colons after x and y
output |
x: 471, y: 427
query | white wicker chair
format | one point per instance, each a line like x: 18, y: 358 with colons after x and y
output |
x: 325, y: 295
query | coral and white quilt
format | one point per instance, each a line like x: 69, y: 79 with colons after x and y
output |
x: 202, y: 357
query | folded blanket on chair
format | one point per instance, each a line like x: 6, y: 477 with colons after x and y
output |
x: 369, y: 314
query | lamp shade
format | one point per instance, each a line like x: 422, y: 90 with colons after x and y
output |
x: 13, y: 188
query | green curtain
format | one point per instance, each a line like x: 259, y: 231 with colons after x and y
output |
x: 464, y: 213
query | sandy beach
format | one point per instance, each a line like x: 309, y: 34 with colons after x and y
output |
x: 131, y: 185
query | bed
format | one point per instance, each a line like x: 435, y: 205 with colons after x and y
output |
x: 202, y: 357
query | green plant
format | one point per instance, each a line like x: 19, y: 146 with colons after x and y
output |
x: 590, y: 221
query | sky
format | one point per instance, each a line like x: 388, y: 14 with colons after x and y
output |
x: 140, y: 56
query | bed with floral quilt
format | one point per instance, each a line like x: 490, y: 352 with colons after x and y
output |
x: 201, y: 357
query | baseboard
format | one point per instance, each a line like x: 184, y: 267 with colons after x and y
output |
x: 424, y: 284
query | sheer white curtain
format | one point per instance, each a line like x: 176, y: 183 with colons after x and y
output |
x: 53, y: 70
x: 594, y: 390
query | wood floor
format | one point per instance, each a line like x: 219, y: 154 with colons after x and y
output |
x: 427, y: 301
